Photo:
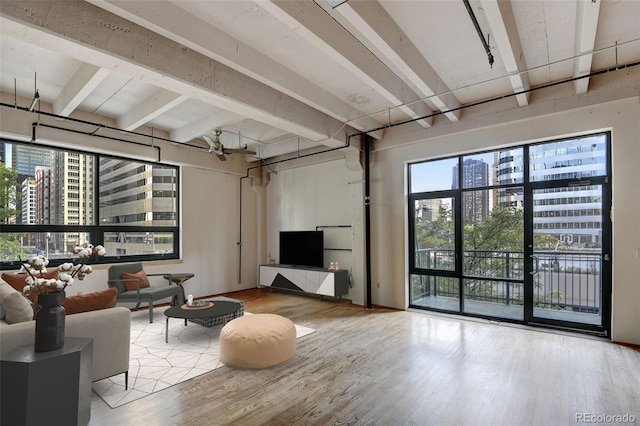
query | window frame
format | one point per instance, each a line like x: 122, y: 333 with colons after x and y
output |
x: 96, y: 231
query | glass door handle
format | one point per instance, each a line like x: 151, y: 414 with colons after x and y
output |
x: 536, y: 262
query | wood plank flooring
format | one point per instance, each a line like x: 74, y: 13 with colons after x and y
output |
x: 386, y: 367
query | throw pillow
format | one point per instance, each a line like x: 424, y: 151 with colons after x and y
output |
x: 17, y: 307
x: 132, y: 285
x: 90, y: 301
x: 18, y: 281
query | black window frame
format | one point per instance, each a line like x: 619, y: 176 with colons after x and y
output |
x: 96, y: 231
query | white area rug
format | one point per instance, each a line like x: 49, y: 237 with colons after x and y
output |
x: 155, y: 365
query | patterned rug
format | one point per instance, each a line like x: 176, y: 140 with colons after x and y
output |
x: 155, y: 365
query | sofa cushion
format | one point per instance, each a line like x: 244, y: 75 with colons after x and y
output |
x: 132, y: 285
x: 17, y: 307
x: 90, y: 301
x: 18, y: 281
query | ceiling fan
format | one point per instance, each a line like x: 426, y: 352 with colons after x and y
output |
x: 216, y: 147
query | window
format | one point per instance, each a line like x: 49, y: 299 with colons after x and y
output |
x: 55, y: 199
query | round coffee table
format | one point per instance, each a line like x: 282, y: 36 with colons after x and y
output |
x: 217, y: 308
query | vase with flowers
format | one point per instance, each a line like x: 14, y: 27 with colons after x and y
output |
x: 50, y: 318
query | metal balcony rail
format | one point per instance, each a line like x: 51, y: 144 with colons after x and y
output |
x: 564, y: 280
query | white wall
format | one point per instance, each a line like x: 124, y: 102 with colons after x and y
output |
x: 300, y: 198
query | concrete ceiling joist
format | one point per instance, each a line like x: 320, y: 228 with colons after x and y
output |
x: 178, y: 24
x: 83, y: 82
x: 91, y: 34
x: 505, y: 34
x: 312, y: 23
x: 202, y: 125
x: 150, y: 108
x: 586, y: 27
x: 380, y: 31
x: 284, y: 147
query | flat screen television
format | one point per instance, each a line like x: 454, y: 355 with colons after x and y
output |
x: 302, y: 248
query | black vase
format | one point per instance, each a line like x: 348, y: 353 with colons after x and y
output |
x: 50, y: 322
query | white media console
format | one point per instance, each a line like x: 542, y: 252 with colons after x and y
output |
x: 323, y: 282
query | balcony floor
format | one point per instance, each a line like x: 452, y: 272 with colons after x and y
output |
x: 500, y: 310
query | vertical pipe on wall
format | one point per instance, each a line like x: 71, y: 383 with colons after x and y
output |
x: 367, y: 217
x: 240, y: 232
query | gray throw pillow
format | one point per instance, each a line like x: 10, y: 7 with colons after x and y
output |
x: 17, y: 308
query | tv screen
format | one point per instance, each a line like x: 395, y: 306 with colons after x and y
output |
x: 302, y: 248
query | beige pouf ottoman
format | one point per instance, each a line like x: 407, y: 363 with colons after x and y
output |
x: 257, y: 341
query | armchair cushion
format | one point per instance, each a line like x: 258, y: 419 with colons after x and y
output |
x: 138, y: 276
x: 91, y: 301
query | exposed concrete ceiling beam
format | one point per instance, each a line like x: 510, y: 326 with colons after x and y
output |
x: 91, y: 34
x: 152, y: 107
x: 284, y: 147
x: 587, y: 13
x: 609, y: 87
x: 317, y: 27
x: 179, y: 25
x: 381, y: 32
x: 204, y: 125
x: 83, y: 82
x: 505, y: 35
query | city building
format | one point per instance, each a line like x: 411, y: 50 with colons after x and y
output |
x: 475, y: 204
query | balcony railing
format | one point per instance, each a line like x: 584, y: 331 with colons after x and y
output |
x: 563, y: 280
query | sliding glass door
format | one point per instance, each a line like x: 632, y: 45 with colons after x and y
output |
x: 519, y: 234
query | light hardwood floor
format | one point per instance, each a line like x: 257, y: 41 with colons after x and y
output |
x: 386, y: 367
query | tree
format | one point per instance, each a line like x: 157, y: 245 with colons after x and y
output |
x: 10, y: 243
x: 9, y: 194
x: 492, y: 248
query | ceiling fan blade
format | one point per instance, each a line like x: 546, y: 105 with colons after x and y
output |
x: 221, y: 157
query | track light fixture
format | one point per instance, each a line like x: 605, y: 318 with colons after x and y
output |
x: 36, y: 98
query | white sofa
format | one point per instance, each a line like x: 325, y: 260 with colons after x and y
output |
x: 110, y: 330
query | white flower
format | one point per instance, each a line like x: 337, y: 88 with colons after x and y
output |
x: 66, y: 267
x: 35, y: 266
x: 38, y: 262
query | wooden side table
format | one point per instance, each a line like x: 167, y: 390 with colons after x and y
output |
x: 47, y: 388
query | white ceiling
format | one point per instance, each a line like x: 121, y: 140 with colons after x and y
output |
x: 281, y: 75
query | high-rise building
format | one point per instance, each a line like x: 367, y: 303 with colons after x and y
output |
x: 428, y: 210
x: 28, y: 201
x: 26, y: 158
x: 72, y: 189
x: 137, y: 194
x: 573, y: 214
x: 42, y: 195
x: 475, y: 174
